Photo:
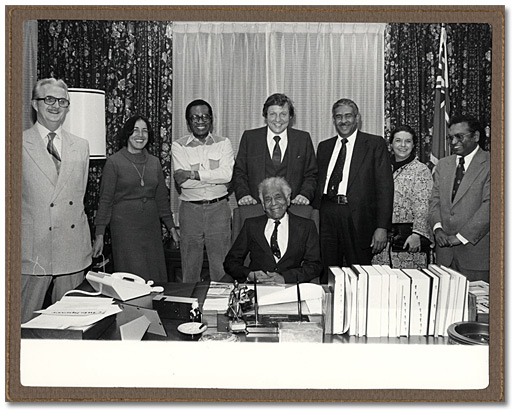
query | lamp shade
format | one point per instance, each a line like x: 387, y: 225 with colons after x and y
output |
x: 86, y: 119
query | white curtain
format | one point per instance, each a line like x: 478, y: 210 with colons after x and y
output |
x: 236, y: 66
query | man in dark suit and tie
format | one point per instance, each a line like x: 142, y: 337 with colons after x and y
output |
x: 283, y: 247
x: 355, y: 191
x: 275, y: 150
x: 459, y: 205
x: 56, y: 242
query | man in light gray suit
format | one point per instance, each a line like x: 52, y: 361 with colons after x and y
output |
x: 56, y: 243
x: 459, y: 205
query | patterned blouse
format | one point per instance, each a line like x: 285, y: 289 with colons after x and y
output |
x: 413, y: 183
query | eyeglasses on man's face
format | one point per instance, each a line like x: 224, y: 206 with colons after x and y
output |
x: 200, y: 117
x: 50, y: 100
x: 459, y: 136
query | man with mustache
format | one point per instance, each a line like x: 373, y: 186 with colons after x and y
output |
x: 355, y: 191
x: 202, y: 165
x: 459, y: 205
x: 56, y: 243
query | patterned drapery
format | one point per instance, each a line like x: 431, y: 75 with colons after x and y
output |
x: 411, y: 54
x: 132, y: 62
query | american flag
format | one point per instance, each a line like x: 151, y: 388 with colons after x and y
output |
x: 441, y: 117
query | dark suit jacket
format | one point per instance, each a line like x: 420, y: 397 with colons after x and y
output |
x: 249, y: 170
x: 301, y: 260
x: 370, y: 188
x: 468, y: 214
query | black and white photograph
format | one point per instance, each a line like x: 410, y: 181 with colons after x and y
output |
x: 255, y: 203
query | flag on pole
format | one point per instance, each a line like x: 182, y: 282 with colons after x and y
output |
x: 441, y: 117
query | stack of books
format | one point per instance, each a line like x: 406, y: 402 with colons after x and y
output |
x: 378, y: 301
x: 216, y: 302
x: 480, y: 290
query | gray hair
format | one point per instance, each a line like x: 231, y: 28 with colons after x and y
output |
x: 36, y: 92
x: 345, y: 102
x: 279, y: 182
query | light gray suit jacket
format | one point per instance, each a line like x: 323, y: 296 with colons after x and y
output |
x: 468, y: 214
x: 55, y: 233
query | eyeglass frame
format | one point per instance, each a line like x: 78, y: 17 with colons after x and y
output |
x: 204, y: 117
x: 47, y: 100
x: 459, y: 136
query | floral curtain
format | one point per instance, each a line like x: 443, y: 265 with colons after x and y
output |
x: 411, y: 57
x: 130, y: 61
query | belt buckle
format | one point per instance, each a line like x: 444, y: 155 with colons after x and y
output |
x: 342, y: 199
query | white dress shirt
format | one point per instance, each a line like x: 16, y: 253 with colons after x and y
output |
x: 467, y: 161
x: 271, y: 142
x: 283, y: 234
x: 57, y: 139
x: 342, y: 189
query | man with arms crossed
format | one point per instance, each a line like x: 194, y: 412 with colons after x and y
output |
x: 202, y: 165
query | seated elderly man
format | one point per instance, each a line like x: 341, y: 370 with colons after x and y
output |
x: 283, y: 247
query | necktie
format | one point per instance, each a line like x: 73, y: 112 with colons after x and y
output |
x: 459, y: 174
x: 274, y: 241
x: 337, y: 172
x: 53, y: 151
x: 277, y: 152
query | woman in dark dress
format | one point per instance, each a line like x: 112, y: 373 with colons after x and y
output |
x: 134, y: 201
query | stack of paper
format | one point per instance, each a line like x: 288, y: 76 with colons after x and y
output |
x: 73, y: 313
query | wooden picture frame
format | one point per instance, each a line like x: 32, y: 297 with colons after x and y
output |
x: 162, y: 361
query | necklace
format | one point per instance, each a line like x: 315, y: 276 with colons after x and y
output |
x: 140, y: 176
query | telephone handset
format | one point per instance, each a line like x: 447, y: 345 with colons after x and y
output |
x: 121, y: 285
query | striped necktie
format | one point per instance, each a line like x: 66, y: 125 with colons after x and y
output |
x: 337, y: 172
x: 53, y: 151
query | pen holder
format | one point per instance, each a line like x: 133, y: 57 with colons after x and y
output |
x: 310, y: 332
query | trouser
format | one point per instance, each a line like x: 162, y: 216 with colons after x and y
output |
x: 338, y: 238
x: 470, y: 274
x: 204, y: 225
x: 34, y: 288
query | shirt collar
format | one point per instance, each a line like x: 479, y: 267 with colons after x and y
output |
x: 44, y: 131
x: 283, y: 220
x: 351, y: 139
x: 209, y: 139
x: 468, y: 158
x: 271, y: 135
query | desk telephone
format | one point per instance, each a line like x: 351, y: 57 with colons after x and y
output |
x: 121, y: 285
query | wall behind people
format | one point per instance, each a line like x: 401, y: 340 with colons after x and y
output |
x: 132, y: 61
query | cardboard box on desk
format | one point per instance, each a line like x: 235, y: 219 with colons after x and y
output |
x: 91, y: 332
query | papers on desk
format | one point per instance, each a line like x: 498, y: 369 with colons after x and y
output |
x: 276, y: 300
x: 73, y: 313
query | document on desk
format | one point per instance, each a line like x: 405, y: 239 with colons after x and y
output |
x: 73, y: 312
x: 311, y: 297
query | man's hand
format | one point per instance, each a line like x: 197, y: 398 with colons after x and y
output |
x: 379, y: 240
x: 453, y: 240
x: 247, y: 200
x: 442, y: 238
x: 181, y: 176
x: 300, y: 200
x: 271, y: 278
x: 175, y: 236
x: 413, y: 242
x: 97, y: 250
